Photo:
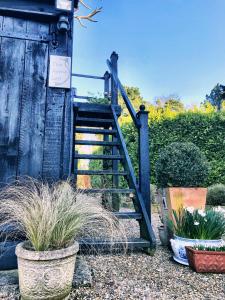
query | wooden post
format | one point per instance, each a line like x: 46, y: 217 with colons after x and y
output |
x: 114, y: 101
x: 106, y: 85
x: 114, y: 61
x: 144, y: 159
x: 106, y: 150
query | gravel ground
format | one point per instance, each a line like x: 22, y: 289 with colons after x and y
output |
x: 139, y: 276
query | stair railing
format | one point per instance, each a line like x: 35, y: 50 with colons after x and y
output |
x: 140, y: 120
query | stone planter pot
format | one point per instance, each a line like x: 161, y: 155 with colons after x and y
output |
x: 163, y: 235
x: 178, y: 245
x: 206, y: 261
x: 46, y: 275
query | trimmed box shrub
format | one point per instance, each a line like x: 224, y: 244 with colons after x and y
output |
x: 181, y: 165
x: 216, y: 195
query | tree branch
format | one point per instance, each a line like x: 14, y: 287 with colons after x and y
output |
x: 88, y: 17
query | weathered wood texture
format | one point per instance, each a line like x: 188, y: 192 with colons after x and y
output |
x: 35, y: 120
x: 57, y: 149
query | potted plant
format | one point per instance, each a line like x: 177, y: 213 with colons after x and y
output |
x: 195, y: 227
x: 206, y: 259
x: 181, y: 170
x: 51, y: 218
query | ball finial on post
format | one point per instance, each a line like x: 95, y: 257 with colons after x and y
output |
x: 142, y: 107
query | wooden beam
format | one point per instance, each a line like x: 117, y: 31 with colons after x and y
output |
x: 144, y: 160
x: 29, y: 8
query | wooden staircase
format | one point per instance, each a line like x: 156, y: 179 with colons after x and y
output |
x: 101, y: 121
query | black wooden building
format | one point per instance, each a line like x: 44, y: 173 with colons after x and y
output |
x: 40, y: 122
x: 35, y: 119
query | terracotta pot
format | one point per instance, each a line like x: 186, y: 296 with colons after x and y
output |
x: 46, y: 275
x: 177, y: 197
x: 206, y: 261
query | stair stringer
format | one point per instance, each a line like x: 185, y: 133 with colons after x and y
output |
x: 146, y: 231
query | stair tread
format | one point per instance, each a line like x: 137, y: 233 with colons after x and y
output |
x: 96, y: 131
x: 112, y: 190
x: 98, y: 156
x: 98, y: 143
x: 92, y: 108
x: 128, y: 215
x: 95, y: 120
x: 100, y: 172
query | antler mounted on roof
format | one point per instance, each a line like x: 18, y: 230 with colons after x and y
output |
x: 90, y: 16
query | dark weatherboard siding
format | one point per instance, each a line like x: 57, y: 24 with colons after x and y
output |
x: 34, y: 120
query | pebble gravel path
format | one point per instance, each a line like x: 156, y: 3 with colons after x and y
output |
x: 139, y: 276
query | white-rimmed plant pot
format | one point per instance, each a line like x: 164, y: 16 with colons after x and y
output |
x: 46, y: 275
x: 178, y: 246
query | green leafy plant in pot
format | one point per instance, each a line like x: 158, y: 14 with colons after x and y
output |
x: 181, y: 169
x: 196, y: 227
x: 52, y: 218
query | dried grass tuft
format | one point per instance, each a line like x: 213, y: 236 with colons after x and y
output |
x: 52, y: 216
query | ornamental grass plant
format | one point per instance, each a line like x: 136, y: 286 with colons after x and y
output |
x: 51, y: 217
x: 198, y: 224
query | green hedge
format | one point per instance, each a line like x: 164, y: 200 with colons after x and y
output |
x: 205, y: 130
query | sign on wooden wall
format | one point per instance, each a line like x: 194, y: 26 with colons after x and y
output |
x: 64, y: 5
x: 60, y: 72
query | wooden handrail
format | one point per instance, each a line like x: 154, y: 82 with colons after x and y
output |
x: 88, y: 76
x: 124, y: 95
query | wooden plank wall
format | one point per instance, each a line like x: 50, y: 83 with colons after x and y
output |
x: 32, y: 106
x: 12, y: 57
x: 35, y: 123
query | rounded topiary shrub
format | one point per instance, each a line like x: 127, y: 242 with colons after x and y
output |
x: 216, y: 195
x: 181, y: 165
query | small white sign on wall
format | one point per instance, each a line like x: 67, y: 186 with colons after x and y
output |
x: 60, y: 72
x: 64, y: 5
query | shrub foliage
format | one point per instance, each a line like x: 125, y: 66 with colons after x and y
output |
x: 216, y: 195
x: 181, y: 164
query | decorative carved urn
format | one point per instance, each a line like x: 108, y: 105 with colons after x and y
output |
x: 46, y: 275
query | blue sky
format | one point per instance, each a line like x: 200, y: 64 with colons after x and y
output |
x: 165, y: 46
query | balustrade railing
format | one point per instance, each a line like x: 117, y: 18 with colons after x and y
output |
x: 112, y: 88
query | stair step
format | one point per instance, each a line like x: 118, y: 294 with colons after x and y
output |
x: 93, y: 122
x: 100, y: 172
x: 96, y: 143
x: 87, y: 245
x: 128, y: 215
x: 92, y: 108
x: 107, y: 191
x: 99, y: 156
x: 96, y: 131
